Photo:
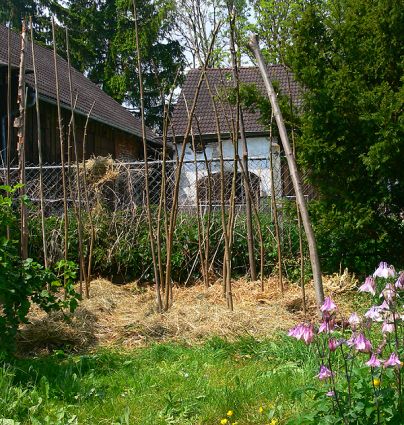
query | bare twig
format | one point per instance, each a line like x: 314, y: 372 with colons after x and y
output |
x: 62, y: 145
x: 78, y: 186
x: 9, y: 126
x: 246, y: 180
x: 149, y: 216
x: 39, y: 140
x: 20, y: 124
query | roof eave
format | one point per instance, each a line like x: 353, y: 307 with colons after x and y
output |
x: 213, y: 136
x: 93, y: 117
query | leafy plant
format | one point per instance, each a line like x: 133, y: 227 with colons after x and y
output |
x: 25, y: 281
x: 122, y: 249
x: 359, y: 357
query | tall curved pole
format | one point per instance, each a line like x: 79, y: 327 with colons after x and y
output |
x: 297, y: 184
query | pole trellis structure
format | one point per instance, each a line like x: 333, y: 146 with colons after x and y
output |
x: 297, y: 184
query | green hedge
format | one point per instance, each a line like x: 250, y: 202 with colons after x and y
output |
x: 122, y: 249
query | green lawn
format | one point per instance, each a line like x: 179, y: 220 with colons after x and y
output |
x: 161, y: 384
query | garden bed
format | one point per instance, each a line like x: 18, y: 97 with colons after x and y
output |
x: 125, y: 315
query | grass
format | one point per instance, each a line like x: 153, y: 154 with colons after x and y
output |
x: 161, y: 384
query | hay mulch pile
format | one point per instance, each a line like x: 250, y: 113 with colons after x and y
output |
x: 125, y: 315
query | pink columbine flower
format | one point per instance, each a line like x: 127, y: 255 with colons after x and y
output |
x: 384, y: 270
x: 368, y: 286
x: 326, y: 326
x: 387, y: 327
x: 354, y: 320
x: 384, y: 306
x: 400, y: 281
x: 360, y: 343
x: 302, y: 331
x: 325, y: 373
x: 373, y: 361
x: 388, y: 293
x: 393, y: 361
x: 333, y: 344
x: 308, y: 334
x: 374, y: 313
x: 296, y: 331
x: 328, y: 305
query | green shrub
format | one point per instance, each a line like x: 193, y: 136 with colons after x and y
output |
x: 122, y: 248
x: 356, y: 238
x: 25, y: 281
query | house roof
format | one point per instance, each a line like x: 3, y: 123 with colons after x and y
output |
x: 205, y: 122
x: 106, y: 110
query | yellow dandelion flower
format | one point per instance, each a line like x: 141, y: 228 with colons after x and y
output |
x: 274, y: 422
x: 230, y: 413
x: 224, y: 421
x: 261, y: 409
x: 376, y: 382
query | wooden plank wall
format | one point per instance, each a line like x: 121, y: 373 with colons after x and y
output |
x: 102, y: 140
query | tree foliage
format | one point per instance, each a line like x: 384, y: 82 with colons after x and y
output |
x: 274, y: 25
x: 102, y: 44
x: 348, y: 54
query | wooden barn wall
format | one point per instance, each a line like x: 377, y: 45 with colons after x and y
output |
x: 102, y: 140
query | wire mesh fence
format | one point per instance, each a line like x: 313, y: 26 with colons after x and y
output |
x: 121, y: 185
x: 114, y: 217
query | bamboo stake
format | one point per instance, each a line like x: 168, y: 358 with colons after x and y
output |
x: 299, y: 218
x: 233, y: 130
x: 9, y: 126
x: 314, y: 258
x: 78, y: 186
x: 275, y: 209
x: 227, y: 249
x: 20, y: 124
x: 198, y: 206
x: 89, y: 211
x: 233, y: 125
x: 246, y: 180
x: 162, y: 208
x: 39, y: 141
x: 206, y: 231
x: 174, y: 210
x: 209, y: 216
x: 62, y: 145
x: 146, y: 164
x: 260, y: 236
x: 248, y: 193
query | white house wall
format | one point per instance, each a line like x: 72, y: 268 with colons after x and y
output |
x: 259, y: 164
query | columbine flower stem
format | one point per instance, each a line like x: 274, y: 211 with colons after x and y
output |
x: 376, y: 394
x: 337, y: 400
x: 399, y: 385
x: 347, y: 374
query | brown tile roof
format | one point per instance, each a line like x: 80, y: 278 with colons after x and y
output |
x: 106, y: 110
x: 219, y: 78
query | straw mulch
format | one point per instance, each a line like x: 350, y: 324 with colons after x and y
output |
x: 125, y: 315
